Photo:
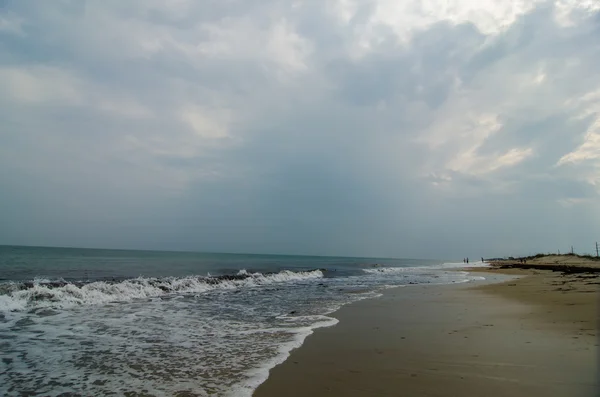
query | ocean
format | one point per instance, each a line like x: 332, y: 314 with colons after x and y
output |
x: 89, y: 322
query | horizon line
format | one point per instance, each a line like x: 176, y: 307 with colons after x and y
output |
x: 206, y: 252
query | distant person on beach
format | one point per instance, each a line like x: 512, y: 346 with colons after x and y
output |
x: 482, y: 259
x: 467, y: 260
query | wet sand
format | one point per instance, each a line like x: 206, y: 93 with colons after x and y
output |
x: 533, y: 336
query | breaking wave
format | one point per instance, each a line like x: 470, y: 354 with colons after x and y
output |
x: 44, y: 293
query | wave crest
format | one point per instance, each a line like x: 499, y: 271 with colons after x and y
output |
x: 43, y: 293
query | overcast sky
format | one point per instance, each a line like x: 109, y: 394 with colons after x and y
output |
x: 397, y: 128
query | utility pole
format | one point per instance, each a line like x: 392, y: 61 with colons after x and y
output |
x: 572, y: 250
x: 596, y: 249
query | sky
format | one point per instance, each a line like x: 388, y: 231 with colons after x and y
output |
x: 380, y: 128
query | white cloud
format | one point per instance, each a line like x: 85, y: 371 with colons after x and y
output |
x: 343, y: 10
x: 588, y: 152
x: 571, y: 202
x: 405, y: 18
x: 61, y: 87
x: 569, y: 12
x: 470, y: 163
x: 204, y: 123
x: 490, y: 17
x: 40, y: 84
x: 10, y: 23
x: 471, y: 128
x: 513, y: 157
x: 124, y: 107
x: 241, y: 39
x: 286, y: 48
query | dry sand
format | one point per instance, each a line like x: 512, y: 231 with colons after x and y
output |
x: 563, y: 260
x: 532, y: 336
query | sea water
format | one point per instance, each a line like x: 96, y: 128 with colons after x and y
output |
x: 82, y: 322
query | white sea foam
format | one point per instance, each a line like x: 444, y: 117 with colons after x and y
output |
x: 227, y: 345
x: 413, y: 269
x: 46, y: 293
x: 456, y: 265
x: 9, y: 304
x: 257, y: 376
x: 444, y: 273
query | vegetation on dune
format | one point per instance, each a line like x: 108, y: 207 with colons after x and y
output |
x: 583, y: 256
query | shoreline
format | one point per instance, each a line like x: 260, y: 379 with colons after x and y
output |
x: 528, y: 336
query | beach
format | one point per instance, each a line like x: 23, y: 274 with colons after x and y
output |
x: 86, y: 325
x: 521, y: 332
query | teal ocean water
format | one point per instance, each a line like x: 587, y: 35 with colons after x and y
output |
x: 83, y: 322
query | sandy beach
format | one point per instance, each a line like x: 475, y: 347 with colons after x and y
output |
x: 522, y: 332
